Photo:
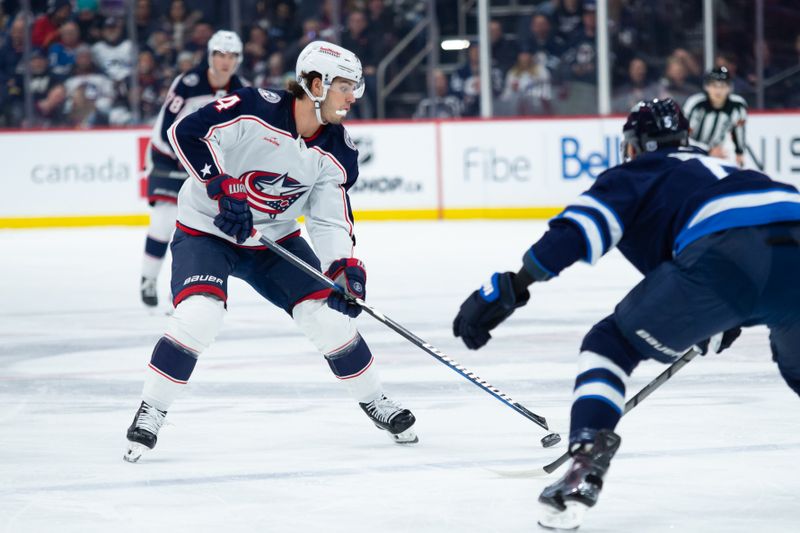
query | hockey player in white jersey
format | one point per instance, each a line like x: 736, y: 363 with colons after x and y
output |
x: 188, y: 93
x: 260, y: 159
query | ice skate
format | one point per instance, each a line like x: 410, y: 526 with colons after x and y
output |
x: 143, y: 432
x: 565, y: 502
x: 391, y: 417
x: 149, y: 291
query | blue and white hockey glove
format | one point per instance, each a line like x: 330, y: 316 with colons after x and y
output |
x: 719, y: 342
x: 234, y: 218
x: 487, y: 307
x: 349, y: 274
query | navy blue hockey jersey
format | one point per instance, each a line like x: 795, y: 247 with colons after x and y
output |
x: 188, y: 93
x: 651, y: 208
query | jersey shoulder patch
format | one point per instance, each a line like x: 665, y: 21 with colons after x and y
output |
x: 191, y: 79
x: 348, y: 140
x: 269, y: 96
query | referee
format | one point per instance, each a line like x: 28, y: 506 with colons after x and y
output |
x: 715, y: 113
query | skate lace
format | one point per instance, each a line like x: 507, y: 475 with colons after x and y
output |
x: 150, y: 418
x: 383, y: 409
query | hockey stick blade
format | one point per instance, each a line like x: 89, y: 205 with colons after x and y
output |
x: 629, y: 405
x: 403, y: 332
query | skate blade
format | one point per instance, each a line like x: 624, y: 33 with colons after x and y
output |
x: 134, y: 451
x: 569, y: 519
x: 405, y: 437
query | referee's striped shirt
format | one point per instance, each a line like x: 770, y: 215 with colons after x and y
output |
x: 708, y: 126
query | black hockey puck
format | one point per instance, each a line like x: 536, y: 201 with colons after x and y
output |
x: 551, y: 440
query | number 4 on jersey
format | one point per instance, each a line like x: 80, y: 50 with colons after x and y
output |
x: 227, y: 102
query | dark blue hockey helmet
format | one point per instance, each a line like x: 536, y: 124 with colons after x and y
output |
x: 718, y: 74
x: 652, y: 125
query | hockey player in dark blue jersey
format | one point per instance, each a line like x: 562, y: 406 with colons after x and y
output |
x: 165, y: 174
x: 719, y: 248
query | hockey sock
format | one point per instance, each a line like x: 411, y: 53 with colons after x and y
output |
x: 599, y: 395
x: 353, y: 365
x: 162, y: 225
x: 170, y: 367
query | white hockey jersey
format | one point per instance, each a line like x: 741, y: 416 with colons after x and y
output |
x: 251, y: 134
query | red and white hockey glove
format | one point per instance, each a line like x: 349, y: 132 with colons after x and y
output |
x: 234, y: 218
x: 349, y: 274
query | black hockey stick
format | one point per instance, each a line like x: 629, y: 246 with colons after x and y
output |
x: 636, y: 400
x: 380, y: 317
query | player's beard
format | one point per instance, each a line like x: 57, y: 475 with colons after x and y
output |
x: 329, y: 113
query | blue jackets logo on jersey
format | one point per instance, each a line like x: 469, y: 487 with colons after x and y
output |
x: 272, y: 193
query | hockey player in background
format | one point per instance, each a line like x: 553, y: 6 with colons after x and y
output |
x: 716, y: 113
x: 719, y: 248
x: 165, y: 174
x: 260, y: 159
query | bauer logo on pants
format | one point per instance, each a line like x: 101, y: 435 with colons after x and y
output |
x: 203, y: 277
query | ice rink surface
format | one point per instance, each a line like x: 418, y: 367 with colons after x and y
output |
x: 265, y: 439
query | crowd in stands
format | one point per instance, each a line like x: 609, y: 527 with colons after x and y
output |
x: 84, y: 58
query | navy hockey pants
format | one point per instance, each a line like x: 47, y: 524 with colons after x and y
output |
x: 738, y: 277
x: 202, y: 263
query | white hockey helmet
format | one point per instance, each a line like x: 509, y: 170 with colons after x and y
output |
x: 226, y: 42
x: 331, y: 61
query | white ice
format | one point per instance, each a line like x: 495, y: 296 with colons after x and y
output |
x: 265, y: 439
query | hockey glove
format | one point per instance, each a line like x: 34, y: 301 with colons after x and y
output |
x: 719, y: 342
x: 349, y: 274
x: 234, y: 218
x: 486, y: 308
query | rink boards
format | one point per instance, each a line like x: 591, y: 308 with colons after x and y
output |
x: 451, y: 169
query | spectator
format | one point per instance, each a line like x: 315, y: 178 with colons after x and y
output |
x: 693, y: 67
x: 159, y: 44
x: 542, y: 40
x: 637, y: 89
x: 381, y: 23
x: 62, y: 54
x: 256, y: 51
x: 114, y: 54
x: 527, y: 88
x: 47, y: 91
x: 283, y: 30
x: 186, y: 62
x: 97, y: 86
x: 567, y: 19
x: 443, y: 105
x: 276, y: 76
x: 310, y: 33
x: 580, y: 67
x: 83, y: 111
x: 178, y: 23
x: 145, y: 21
x: 45, y: 27
x: 90, y: 22
x: 151, y: 87
x: 12, y: 49
x: 674, y: 83
x: 504, y: 51
x: 359, y: 41
x: 465, y: 83
x: 198, y: 42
